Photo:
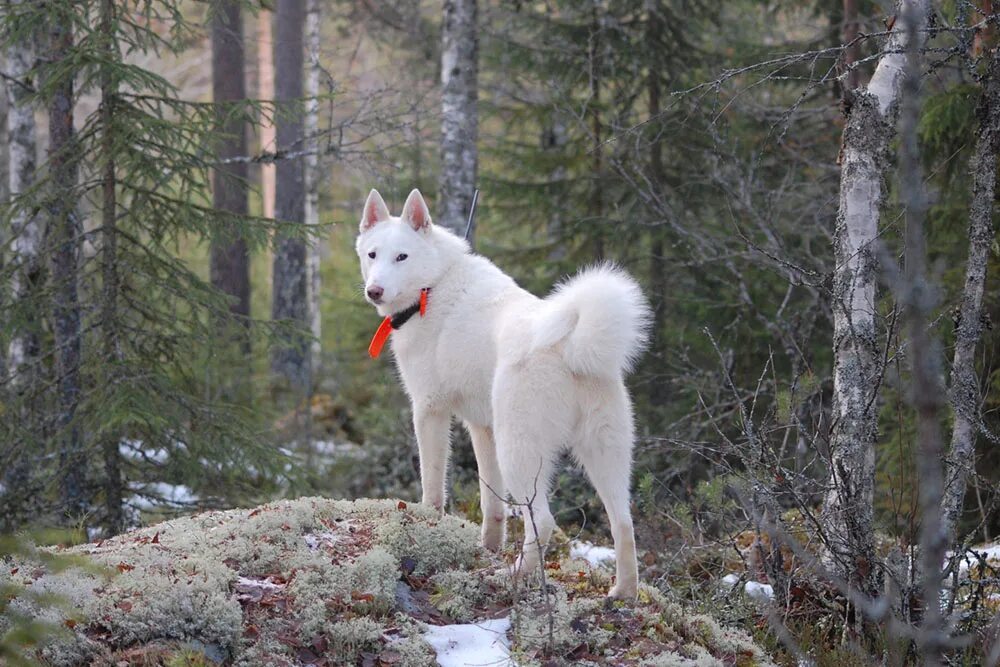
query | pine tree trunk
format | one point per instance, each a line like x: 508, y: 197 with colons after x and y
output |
x: 852, y: 52
x: 114, y: 521
x: 965, y: 392
x: 459, y: 113
x: 554, y: 139
x: 848, y: 509
x: 290, y: 280
x: 597, y: 160
x: 65, y: 232
x: 312, y: 175
x: 229, y: 260
x: 26, y: 232
x: 658, y: 388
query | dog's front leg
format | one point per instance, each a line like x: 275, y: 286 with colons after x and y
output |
x: 433, y: 432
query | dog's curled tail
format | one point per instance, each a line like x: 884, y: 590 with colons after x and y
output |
x: 601, y: 318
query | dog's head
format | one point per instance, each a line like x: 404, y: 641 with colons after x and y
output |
x: 398, y: 255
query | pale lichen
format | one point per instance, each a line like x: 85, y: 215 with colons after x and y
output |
x: 346, y: 580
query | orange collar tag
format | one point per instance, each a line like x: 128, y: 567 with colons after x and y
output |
x: 380, y: 337
x: 384, y: 329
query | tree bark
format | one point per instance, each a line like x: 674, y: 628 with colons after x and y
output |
x: 290, y: 280
x: 658, y: 388
x: 229, y: 262
x: 26, y: 232
x: 459, y: 113
x: 926, y: 393
x: 848, y: 512
x: 114, y: 521
x: 312, y: 175
x: 265, y: 91
x: 965, y: 391
x: 64, y: 229
x: 597, y: 161
x: 852, y: 49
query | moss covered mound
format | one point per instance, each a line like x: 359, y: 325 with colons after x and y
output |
x: 326, y: 582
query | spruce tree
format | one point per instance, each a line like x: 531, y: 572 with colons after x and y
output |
x: 134, y: 325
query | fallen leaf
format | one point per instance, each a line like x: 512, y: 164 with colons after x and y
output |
x: 156, y: 538
x: 362, y: 597
x: 307, y: 657
x: 125, y: 567
x: 255, y: 512
x: 401, y: 505
x: 320, y: 644
x: 69, y: 623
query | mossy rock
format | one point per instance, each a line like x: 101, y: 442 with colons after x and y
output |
x: 327, y: 582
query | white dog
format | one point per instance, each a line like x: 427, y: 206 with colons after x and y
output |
x: 529, y: 377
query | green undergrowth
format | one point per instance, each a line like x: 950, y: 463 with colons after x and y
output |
x: 328, y: 582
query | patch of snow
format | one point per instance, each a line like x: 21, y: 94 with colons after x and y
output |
x: 471, y: 644
x: 754, y: 590
x: 134, y: 450
x: 326, y: 539
x: 334, y: 450
x: 990, y: 552
x: 244, y: 584
x: 591, y: 553
x: 758, y: 591
x: 156, y: 494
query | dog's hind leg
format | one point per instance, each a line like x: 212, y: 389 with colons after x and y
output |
x: 491, y: 488
x: 607, y: 458
x: 527, y: 478
x: 433, y: 433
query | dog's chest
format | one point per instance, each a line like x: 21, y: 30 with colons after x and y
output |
x: 449, y: 369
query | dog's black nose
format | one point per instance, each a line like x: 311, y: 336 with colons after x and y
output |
x: 375, y: 293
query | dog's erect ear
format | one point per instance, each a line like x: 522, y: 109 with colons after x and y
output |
x: 375, y: 211
x: 415, y: 212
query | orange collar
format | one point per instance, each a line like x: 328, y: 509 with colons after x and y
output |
x: 396, y: 321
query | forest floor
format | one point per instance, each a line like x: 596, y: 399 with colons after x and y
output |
x: 326, y: 582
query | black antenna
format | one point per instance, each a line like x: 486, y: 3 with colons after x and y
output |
x: 472, y: 213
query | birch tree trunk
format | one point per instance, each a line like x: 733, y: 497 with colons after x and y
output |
x: 65, y: 232
x: 3, y: 198
x: 312, y: 174
x: 26, y: 233
x: 229, y: 261
x: 290, y: 280
x: 965, y: 392
x: 265, y: 91
x: 459, y: 113
x: 848, y: 512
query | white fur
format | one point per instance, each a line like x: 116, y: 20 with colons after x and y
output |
x: 528, y: 377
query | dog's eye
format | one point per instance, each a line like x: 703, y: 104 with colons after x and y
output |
x: 401, y: 256
x: 372, y: 254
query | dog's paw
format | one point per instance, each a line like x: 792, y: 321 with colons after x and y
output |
x: 624, y: 591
